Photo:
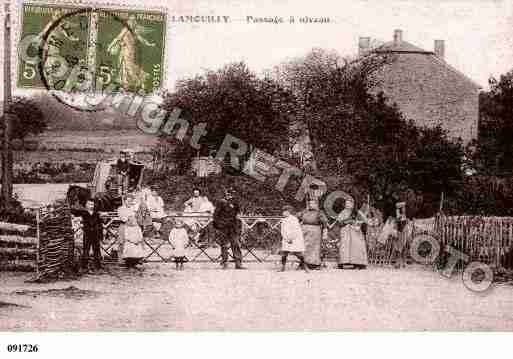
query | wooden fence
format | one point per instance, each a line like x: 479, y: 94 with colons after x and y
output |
x: 56, y: 244
x: 485, y: 239
x: 260, y: 240
x: 18, y: 247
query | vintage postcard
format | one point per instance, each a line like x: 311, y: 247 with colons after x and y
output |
x: 256, y: 166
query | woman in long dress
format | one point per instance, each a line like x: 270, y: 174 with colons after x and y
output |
x: 127, y: 210
x: 133, y: 245
x: 313, y: 223
x: 352, y: 247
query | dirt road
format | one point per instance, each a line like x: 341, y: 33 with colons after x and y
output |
x: 204, y: 297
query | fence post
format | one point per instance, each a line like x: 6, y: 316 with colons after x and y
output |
x: 38, y: 217
x: 499, y: 245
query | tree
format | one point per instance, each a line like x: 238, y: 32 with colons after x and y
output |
x: 494, y: 152
x: 234, y: 101
x: 27, y: 118
x: 357, y: 132
x: 329, y: 88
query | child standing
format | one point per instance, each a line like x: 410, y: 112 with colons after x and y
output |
x: 179, y: 239
x: 292, y: 238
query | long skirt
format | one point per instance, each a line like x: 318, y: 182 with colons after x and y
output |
x: 133, y: 245
x: 133, y: 250
x: 352, y: 248
x: 179, y: 241
x: 312, y: 235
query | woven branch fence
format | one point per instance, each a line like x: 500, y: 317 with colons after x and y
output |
x: 56, y: 244
x: 18, y: 247
x: 485, y: 239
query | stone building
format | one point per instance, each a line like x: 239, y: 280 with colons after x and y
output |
x: 426, y: 88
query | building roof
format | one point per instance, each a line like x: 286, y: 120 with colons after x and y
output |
x: 404, y: 47
x: 401, y: 46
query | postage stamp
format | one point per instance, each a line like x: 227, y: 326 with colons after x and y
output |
x: 68, y: 39
x: 130, y: 52
x: 85, y: 50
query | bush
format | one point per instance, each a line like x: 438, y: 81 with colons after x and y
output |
x: 482, y: 195
x: 55, y: 173
x: 13, y: 212
x: 255, y: 197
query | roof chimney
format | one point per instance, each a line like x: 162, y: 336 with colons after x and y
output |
x: 363, y: 46
x: 398, y: 36
x: 440, y: 49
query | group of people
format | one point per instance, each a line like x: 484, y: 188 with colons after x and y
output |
x: 302, y: 232
x: 144, y: 213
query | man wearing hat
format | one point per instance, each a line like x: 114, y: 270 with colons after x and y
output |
x: 123, y: 166
x: 226, y: 222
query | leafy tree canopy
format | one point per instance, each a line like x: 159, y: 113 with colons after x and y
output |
x: 357, y: 132
x: 494, y: 150
x: 233, y: 100
x: 28, y: 118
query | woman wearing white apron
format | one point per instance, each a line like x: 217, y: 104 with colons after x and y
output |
x: 133, y: 247
x: 129, y: 208
x: 130, y: 234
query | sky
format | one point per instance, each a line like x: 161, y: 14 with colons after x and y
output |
x: 478, y: 34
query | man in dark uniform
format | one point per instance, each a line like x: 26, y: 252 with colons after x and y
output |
x: 93, y: 233
x: 226, y: 222
x: 123, y: 166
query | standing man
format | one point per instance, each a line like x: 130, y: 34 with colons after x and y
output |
x: 123, y: 167
x: 93, y: 234
x: 226, y: 222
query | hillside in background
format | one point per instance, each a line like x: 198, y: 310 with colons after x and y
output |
x: 97, y: 140
x: 75, y: 141
x: 65, y: 118
x: 75, y: 136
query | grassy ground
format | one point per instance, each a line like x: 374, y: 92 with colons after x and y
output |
x: 109, y: 141
x: 203, y: 297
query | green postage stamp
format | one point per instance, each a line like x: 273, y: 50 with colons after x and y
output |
x: 80, y: 49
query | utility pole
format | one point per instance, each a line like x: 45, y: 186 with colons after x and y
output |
x: 7, y: 157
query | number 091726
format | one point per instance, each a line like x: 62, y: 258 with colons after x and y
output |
x: 22, y: 348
